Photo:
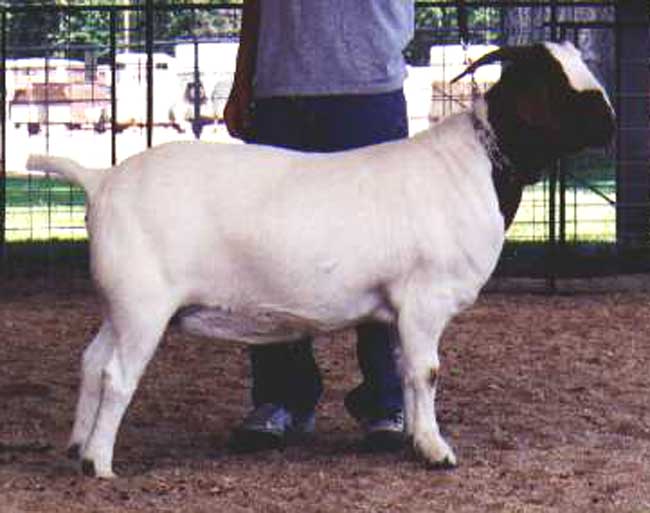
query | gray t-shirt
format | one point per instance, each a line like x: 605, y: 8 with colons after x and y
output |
x: 323, y: 47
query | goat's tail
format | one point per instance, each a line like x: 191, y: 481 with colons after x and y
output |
x: 68, y: 169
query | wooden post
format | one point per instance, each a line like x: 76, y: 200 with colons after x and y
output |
x: 633, y: 124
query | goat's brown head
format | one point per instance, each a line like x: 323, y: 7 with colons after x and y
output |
x: 547, y: 104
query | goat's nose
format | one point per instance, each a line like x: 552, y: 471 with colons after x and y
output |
x: 597, y: 119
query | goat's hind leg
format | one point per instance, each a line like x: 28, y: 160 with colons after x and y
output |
x: 136, y: 334
x: 420, y: 329
x: 94, y: 359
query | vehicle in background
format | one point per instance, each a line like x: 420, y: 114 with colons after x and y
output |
x: 131, y: 91
x: 205, y: 72
x: 55, y: 91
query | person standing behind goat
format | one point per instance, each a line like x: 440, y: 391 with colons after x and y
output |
x: 323, y: 77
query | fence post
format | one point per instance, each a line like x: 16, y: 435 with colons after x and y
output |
x: 633, y: 130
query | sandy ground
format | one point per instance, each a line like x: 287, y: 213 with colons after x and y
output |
x: 544, y: 398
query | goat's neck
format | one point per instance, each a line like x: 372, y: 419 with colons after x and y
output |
x: 486, y: 134
x: 508, y: 185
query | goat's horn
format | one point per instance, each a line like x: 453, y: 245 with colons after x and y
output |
x: 506, y: 53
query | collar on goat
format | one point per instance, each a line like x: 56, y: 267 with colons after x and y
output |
x: 508, y: 186
x: 486, y: 135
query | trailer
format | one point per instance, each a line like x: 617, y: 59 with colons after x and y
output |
x: 131, y: 91
x: 55, y: 92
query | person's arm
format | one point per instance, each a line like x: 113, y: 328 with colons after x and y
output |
x: 237, y: 113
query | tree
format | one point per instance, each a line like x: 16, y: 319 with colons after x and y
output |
x: 211, y: 20
x: 81, y: 30
x: 201, y: 22
x: 29, y: 32
x: 440, y: 26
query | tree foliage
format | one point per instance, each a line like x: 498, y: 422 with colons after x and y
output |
x: 68, y: 32
x: 440, y: 25
x: 29, y: 32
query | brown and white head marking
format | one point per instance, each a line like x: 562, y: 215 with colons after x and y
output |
x: 580, y: 76
x: 547, y: 104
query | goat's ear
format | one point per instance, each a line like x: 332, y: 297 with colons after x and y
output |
x: 505, y: 53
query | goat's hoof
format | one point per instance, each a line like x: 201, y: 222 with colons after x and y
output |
x: 74, y: 452
x: 447, y: 463
x: 435, y: 454
x: 89, y: 469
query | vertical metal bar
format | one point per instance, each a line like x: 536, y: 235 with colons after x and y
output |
x: 48, y: 182
x: 562, y: 184
x: 3, y: 141
x: 149, y: 26
x: 562, y: 213
x: 46, y: 99
x: 551, y: 268
x: 113, y: 64
x: 462, y: 19
x: 196, y: 88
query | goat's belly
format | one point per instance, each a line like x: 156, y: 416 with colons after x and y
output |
x: 253, y: 327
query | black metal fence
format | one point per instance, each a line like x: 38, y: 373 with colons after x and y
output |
x: 101, y: 82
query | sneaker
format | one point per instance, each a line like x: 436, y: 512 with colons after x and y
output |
x: 385, y: 434
x: 268, y: 426
x: 381, y: 433
x: 302, y: 424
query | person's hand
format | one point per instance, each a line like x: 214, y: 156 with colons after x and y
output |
x: 237, y: 114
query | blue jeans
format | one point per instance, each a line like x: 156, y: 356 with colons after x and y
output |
x: 287, y: 373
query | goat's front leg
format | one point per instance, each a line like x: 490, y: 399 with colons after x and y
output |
x: 420, y: 326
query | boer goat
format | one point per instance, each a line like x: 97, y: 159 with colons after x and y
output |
x: 258, y: 244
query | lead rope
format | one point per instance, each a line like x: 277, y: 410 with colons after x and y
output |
x: 483, y: 131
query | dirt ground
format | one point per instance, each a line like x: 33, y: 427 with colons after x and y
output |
x: 544, y: 398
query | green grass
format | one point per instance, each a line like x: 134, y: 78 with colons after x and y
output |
x: 40, y: 209
x: 36, y: 191
x: 43, y: 223
x: 589, y: 217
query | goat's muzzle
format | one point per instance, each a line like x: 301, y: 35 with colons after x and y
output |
x: 590, y: 120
